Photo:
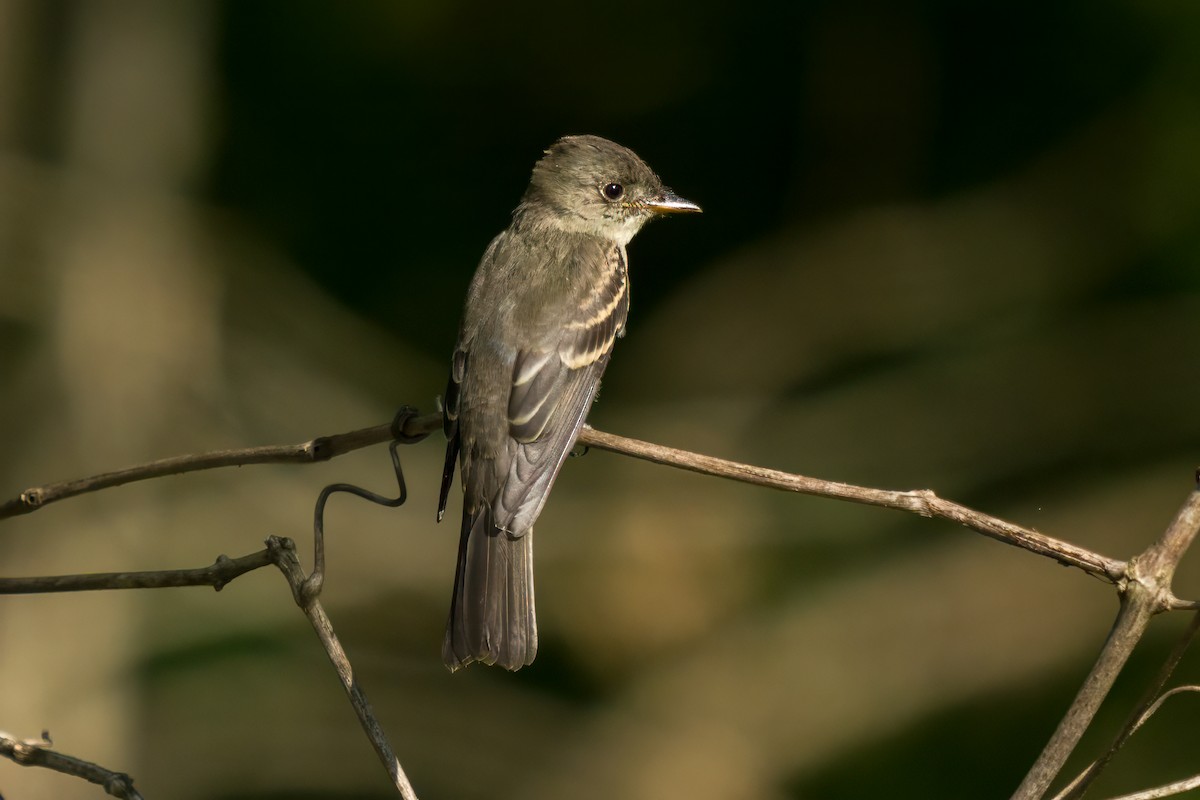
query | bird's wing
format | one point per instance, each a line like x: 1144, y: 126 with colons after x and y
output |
x: 552, y: 390
x: 458, y: 368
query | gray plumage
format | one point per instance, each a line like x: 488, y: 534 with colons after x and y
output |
x: 548, y: 300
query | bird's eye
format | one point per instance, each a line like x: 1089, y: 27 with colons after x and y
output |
x: 613, y: 191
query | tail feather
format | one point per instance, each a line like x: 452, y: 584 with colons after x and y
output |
x: 492, y: 612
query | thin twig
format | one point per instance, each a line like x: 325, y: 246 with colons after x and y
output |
x: 1151, y: 701
x: 1162, y: 699
x: 216, y: 575
x: 1166, y: 790
x: 283, y: 553
x: 322, y: 448
x: 1146, y: 592
x: 1144, y: 581
x: 279, y: 551
x: 37, y: 753
x: 922, y: 502
x: 316, y: 578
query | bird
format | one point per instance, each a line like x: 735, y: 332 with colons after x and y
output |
x: 546, y: 304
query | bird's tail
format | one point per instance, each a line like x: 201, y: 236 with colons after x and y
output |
x: 491, y: 615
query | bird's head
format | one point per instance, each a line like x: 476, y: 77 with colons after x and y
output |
x: 591, y: 185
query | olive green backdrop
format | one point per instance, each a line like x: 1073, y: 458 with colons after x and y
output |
x: 952, y: 246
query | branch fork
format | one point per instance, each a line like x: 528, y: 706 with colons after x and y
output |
x: 1143, y: 581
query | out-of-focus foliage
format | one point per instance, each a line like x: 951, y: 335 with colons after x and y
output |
x: 946, y: 245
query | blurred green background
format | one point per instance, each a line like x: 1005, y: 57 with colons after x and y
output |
x: 945, y: 245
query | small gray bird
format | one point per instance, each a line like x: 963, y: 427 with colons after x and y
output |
x: 543, y: 310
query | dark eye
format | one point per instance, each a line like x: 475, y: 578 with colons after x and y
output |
x: 613, y: 191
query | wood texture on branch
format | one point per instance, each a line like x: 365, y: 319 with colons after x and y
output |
x: 37, y: 753
x: 1145, y: 591
x: 1144, y: 581
x: 922, y: 502
x: 216, y: 575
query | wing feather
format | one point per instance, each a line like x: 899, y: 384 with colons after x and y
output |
x: 458, y: 368
x: 552, y: 390
x: 507, y: 470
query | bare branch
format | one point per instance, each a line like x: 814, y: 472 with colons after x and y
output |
x: 1146, y: 708
x: 322, y: 448
x: 1158, y: 563
x: 922, y: 502
x: 216, y: 575
x: 283, y: 553
x: 1145, y: 716
x: 1146, y: 592
x: 1144, y: 581
x: 37, y: 753
x: 280, y: 552
x: 1166, y: 790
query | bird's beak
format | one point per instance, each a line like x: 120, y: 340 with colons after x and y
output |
x: 671, y: 203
